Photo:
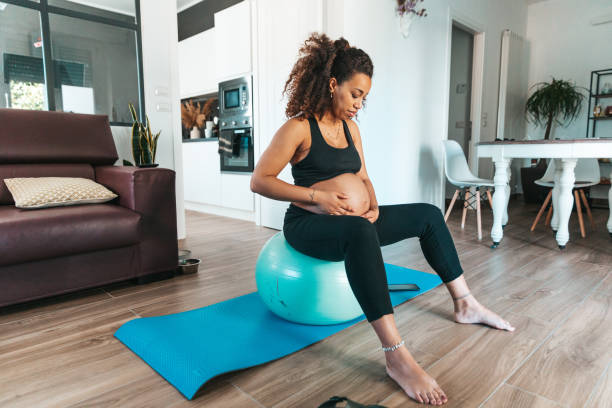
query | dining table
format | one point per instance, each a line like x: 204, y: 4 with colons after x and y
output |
x: 565, y: 153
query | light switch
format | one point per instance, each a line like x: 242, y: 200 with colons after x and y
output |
x: 161, y: 91
x: 162, y: 107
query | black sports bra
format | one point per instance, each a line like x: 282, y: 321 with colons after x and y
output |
x: 324, y: 161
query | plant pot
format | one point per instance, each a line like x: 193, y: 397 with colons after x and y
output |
x: 148, y: 165
x: 405, y: 23
x: 533, y: 193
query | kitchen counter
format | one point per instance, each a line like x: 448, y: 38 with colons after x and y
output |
x: 202, y: 139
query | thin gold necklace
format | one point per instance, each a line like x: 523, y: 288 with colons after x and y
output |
x: 337, y: 131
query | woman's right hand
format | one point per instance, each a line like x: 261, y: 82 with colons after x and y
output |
x: 332, y: 202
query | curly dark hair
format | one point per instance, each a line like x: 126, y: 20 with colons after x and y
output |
x: 321, y: 59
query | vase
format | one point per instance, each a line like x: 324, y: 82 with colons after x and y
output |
x: 148, y: 165
x: 405, y: 23
x: 195, y: 133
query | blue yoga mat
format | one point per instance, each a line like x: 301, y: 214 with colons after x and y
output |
x: 192, y: 347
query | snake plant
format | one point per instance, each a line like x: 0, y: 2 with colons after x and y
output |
x: 144, y: 142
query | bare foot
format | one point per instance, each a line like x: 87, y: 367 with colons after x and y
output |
x: 473, y: 312
x: 415, y: 382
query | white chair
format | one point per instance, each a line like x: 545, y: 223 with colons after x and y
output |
x: 587, y: 174
x: 458, y: 173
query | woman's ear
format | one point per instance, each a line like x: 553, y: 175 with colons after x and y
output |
x: 332, y: 84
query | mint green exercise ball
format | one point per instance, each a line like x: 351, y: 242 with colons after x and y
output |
x: 303, y: 289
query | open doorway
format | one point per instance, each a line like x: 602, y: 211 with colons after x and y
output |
x: 466, y: 62
x: 459, y: 97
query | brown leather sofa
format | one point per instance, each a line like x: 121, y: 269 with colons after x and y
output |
x: 51, y: 251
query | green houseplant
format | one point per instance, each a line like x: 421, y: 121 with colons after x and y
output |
x: 144, y: 142
x: 559, y: 101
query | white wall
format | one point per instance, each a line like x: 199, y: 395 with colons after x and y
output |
x: 402, y: 145
x: 160, y: 56
x: 280, y: 27
x: 407, y: 113
x: 565, y: 45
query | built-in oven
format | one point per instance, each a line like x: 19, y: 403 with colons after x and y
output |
x: 236, y: 149
x: 236, y: 125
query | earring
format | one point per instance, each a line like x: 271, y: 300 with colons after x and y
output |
x: 331, y: 94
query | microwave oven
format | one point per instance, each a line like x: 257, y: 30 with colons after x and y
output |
x: 235, y: 99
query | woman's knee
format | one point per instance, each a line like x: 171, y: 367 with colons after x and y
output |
x: 430, y: 218
x: 431, y: 213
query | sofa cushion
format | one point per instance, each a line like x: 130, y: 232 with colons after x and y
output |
x: 29, y: 136
x: 50, y: 232
x: 40, y: 170
x: 43, y: 192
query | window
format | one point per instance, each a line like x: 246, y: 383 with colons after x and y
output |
x: 73, y: 56
x: 22, y: 79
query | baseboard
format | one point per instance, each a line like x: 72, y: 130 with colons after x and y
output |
x: 222, y: 211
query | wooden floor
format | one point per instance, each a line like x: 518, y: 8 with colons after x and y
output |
x: 61, y: 352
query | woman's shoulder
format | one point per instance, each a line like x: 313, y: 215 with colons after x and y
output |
x: 298, y: 124
x: 353, y: 129
x: 295, y: 130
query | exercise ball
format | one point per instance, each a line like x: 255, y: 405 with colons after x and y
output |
x: 303, y: 289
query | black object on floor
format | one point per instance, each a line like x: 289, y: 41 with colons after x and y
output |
x: 154, y: 277
x: 331, y: 403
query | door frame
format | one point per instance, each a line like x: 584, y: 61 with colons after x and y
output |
x: 476, y: 28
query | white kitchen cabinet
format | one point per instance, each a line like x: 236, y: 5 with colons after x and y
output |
x: 233, y: 41
x: 236, y: 191
x: 201, y: 172
x: 206, y: 184
x: 196, y: 64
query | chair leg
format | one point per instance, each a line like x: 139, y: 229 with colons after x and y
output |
x: 586, y: 205
x: 478, y: 221
x: 579, y: 211
x: 490, y: 199
x: 465, y: 206
x: 450, y: 207
x: 549, y: 214
x: 542, y: 209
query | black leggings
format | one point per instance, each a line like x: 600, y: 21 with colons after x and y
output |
x: 357, y: 241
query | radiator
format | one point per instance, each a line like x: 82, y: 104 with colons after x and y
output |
x: 513, y: 87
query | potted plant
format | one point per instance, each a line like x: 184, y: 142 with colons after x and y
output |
x: 144, y: 142
x: 559, y: 101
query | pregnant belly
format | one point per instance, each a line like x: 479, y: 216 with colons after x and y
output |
x: 349, y: 184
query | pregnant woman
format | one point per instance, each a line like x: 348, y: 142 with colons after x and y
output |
x: 334, y: 214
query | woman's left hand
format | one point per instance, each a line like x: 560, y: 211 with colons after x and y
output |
x: 371, y: 215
